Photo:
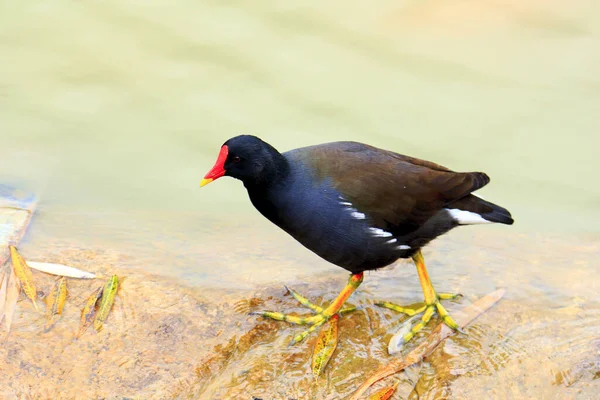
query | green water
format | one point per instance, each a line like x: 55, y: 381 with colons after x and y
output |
x: 114, y: 111
x: 122, y: 106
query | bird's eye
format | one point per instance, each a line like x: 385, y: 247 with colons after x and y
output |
x: 236, y: 159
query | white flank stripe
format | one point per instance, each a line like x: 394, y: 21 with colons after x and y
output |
x: 392, y: 240
x: 353, y: 211
x: 379, y: 232
x: 358, y: 215
x: 466, y: 217
x: 403, y: 247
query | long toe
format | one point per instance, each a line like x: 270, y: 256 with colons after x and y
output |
x: 420, y: 316
x: 408, y: 310
x: 322, y: 314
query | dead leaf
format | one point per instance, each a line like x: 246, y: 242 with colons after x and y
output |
x: 89, y: 311
x: 55, y: 302
x: 61, y: 270
x: 385, y: 393
x: 24, y: 274
x: 325, y: 346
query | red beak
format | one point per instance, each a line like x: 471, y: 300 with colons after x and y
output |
x: 218, y: 169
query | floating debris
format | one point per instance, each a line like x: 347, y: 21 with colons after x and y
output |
x: 88, y: 312
x: 61, y: 270
x: 55, y: 302
x: 325, y: 346
x: 10, y: 295
x: 244, y: 306
x: 23, y: 272
x: 16, y: 209
x: 5, y: 274
x: 106, y: 302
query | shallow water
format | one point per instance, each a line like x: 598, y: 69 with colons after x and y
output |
x: 113, y: 112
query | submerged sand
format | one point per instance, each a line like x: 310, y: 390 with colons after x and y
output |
x: 164, y: 339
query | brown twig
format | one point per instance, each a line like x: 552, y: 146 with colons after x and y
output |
x: 440, y: 333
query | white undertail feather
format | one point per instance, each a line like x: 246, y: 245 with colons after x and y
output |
x: 466, y: 217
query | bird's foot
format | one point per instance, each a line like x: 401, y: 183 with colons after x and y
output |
x: 425, y: 310
x: 315, y: 321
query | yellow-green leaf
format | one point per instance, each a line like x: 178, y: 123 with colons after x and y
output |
x: 106, y: 302
x: 325, y: 346
x: 24, y: 274
x: 89, y: 310
x: 55, y: 302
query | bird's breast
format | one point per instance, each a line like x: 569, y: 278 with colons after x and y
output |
x: 326, y: 223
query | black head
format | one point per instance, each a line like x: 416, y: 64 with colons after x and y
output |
x: 248, y: 159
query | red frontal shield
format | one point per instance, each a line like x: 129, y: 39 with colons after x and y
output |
x: 218, y: 169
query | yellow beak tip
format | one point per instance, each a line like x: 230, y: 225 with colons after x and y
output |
x: 205, y: 182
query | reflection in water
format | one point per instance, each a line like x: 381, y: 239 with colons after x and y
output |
x: 113, y: 111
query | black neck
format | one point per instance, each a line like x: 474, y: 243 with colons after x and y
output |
x: 275, y: 170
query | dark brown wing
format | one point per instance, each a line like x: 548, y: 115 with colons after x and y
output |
x: 397, y: 192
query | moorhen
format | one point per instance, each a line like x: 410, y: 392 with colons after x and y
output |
x: 358, y: 207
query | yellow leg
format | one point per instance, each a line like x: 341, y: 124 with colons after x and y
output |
x: 426, y: 285
x: 322, y: 315
x: 429, y: 307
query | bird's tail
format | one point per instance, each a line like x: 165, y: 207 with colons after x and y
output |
x: 490, y: 212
